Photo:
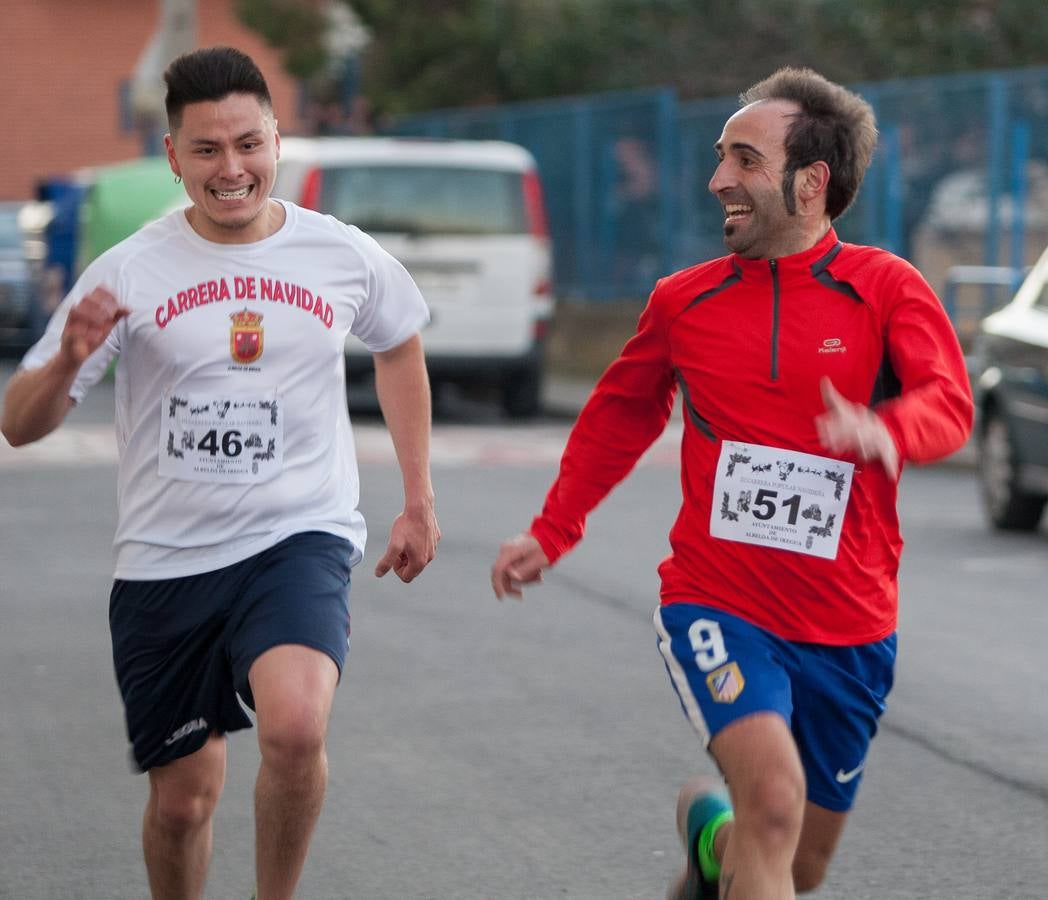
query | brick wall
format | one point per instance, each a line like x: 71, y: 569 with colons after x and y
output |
x: 62, y: 63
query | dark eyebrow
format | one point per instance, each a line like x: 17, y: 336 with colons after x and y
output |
x: 738, y: 146
x: 253, y: 133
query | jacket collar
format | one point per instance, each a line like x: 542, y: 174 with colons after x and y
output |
x: 807, y: 263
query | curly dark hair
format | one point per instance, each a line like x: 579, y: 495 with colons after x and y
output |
x: 212, y: 74
x: 834, y: 125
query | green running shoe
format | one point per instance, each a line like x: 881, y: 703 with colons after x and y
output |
x: 692, y: 884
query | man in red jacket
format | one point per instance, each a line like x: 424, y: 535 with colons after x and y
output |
x: 809, y: 371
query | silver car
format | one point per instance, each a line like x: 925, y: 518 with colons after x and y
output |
x: 1011, y: 357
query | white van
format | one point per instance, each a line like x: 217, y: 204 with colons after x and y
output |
x: 467, y: 219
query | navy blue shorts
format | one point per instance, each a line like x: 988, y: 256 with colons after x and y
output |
x: 183, y: 647
x: 723, y: 668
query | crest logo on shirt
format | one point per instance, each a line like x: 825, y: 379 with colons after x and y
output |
x: 726, y: 683
x: 245, y: 336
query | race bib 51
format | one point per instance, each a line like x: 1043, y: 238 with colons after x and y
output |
x: 780, y: 498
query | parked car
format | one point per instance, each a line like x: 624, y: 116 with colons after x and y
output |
x: 467, y: 219
x: 21, y: 265
x: 1011, y: 361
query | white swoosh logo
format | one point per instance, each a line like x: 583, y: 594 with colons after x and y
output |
x: 844, y: 777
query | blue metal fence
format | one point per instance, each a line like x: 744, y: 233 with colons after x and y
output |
x: 960, y: 176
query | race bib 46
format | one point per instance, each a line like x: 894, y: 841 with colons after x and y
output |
x: 231, y: 439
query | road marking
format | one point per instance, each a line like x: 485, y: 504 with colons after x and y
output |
x: 71, y: 445
x: 1022, y: 562
x: 452, y: 446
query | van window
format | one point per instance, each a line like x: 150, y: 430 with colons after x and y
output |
x: 425, y: 200
x: 10, y: 233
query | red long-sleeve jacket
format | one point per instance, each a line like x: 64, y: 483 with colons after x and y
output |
x: 747, y: 343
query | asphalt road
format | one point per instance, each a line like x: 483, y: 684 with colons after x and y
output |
x: 526, y: 751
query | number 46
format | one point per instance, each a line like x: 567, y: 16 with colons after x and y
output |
x: 231, y: 443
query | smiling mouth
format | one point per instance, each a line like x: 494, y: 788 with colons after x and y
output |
x: 238, y: 194
x: 733, y: 212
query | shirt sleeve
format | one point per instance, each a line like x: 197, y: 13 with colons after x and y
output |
x: 395, y: 309
x: 932, y: 416
x: 626, y: 412
x: 98, y: 274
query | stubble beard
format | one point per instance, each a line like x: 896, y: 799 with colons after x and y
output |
x: 732, y: 240
x: 241, y: 222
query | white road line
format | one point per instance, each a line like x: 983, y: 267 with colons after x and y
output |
x: 1005, y: 564
x: 453, y: 446
x: 71, y: 445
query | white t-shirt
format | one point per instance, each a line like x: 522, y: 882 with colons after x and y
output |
x: 231, y: 417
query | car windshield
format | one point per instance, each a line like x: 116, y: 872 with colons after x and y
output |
x: 425, y: 200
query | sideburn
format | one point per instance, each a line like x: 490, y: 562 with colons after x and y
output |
x: 788, y: 177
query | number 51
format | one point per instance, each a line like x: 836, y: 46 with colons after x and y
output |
x: 765, y: 500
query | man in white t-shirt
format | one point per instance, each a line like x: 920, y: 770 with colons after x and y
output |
x: 238, y: 487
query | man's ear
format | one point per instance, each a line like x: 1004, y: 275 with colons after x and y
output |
x: 813, y: 180
x: 169, y: 146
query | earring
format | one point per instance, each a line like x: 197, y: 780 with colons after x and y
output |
x: 178, y: 179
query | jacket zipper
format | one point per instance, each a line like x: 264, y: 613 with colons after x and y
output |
x: 774, y: 320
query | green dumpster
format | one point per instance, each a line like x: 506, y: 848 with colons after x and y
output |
x: 120, y: 199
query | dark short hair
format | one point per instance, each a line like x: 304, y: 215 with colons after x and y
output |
x: 212, y: 74
x: 834, y: 125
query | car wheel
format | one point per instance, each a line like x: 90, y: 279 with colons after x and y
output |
x: 522, y: 393
x: 1008, y: 506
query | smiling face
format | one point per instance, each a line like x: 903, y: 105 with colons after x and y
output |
x: 226, y: 153
x: 748, y: 182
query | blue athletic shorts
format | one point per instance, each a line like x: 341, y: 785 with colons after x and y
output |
x: 182, y: 647
x: 724, y: 668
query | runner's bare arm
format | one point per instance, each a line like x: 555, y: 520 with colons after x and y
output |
x: 37, y: 400
x: 403, y: 393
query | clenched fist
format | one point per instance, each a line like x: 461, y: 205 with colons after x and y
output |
x: 89, y: 323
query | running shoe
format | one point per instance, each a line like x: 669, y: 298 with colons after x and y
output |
x: 691, y: 884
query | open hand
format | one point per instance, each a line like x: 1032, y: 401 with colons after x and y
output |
x: 848, y: 427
